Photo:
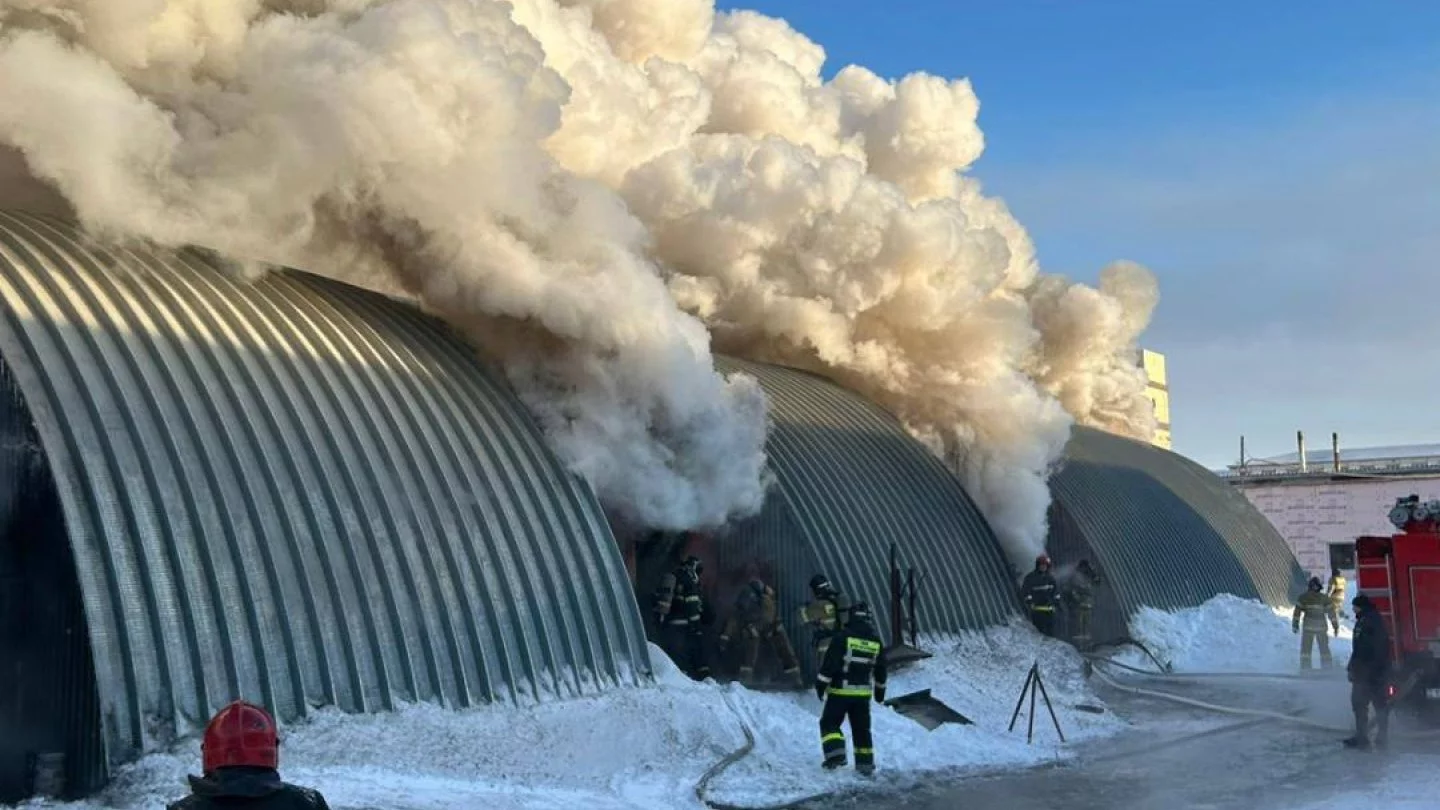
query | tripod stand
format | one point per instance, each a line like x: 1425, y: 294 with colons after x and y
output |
x: 1032, y: 685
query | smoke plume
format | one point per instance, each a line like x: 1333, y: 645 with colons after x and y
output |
x: 595, y: 190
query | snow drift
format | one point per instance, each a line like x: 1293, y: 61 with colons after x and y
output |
x: 594, y: 190
x: 646, y: 748
x: 1229, y: 634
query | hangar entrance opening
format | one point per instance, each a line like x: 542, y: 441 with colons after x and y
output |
x: 49, y: 723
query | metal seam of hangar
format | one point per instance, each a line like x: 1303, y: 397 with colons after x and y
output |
x: 850, y: 481
x: 270, y: 491
x: 1165, y: 533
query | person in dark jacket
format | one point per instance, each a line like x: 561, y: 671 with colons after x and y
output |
x: 240, y: 754
x: 853, y: 673
x: 1041, y: 595
x: 1369, y: 672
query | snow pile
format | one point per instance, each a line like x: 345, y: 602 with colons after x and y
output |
x: 1227, y: 634
x: 647, y: 748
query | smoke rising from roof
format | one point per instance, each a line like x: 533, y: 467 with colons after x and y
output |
x: 596, y: 189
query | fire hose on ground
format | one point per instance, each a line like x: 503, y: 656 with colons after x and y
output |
x: 1097, y: 662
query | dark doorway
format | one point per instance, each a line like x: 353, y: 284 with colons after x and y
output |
x: 49, y: 719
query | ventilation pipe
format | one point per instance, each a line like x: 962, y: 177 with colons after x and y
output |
x: 1335, y: 449
x: 1242, y: 451
x: 1300, y: 440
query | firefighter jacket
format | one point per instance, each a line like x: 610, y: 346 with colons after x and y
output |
x: 1082, y: 588
x: 755, y: 614
x: 1336, y: 591
x: 1370, y: 652
x: 1314, y: 608
x: 854, y: 665
x: 825, y: 614
x: 678, y: 601
x: 1039, y: 591
x: 245, y: 788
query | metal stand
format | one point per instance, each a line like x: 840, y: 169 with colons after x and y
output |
x: 1032, y: 685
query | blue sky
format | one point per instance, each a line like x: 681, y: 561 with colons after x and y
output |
x: 1276, y: 164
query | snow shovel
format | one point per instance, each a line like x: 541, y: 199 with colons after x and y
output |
x: 926, y: 710
x: 903, y: 654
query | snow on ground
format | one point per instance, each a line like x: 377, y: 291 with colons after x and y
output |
x: 1227, y: 634
x: 646, y: 748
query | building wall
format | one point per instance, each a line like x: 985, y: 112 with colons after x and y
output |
x: 298, y: 493
x: 1157, y: 390
x: 1311, y: 516
x: 1165, y: 532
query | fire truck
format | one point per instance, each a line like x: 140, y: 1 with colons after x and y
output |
x: 1401, y: 575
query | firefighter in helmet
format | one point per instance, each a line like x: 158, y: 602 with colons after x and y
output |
x: 756, y: 620
x: 1080, y: 592
x: 1336, y: 591
x: 1314, y: 608
x: 825, y: 614
x: 240, y: 754
x: 1369, y: 672
x: 852, y: 675
x: 680, y: 612
x: 1041, y: 595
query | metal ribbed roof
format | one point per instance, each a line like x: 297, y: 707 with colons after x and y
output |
x: 1166, y: 532
x: 297, y: 492
x: 852, y: 482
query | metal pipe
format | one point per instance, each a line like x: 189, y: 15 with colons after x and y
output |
x: 1242, y: 451
x: 1300, y: 439
x: 1335, y: 449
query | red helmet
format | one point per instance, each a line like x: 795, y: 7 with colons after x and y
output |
x: 1043, y: 559
x: 240, y: 734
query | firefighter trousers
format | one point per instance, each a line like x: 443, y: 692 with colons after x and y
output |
x: 1082, y: 624
x: 1044, y: 619
x: 776, y: 639
x: 1365, y: 692
x: 1308, y: 638
x: 839, y: 708
x: 685, y: 644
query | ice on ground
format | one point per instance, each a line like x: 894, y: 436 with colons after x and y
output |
x: 646, y: 748
x: 1228, y: 634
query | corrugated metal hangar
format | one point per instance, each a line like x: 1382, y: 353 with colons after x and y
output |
x: 307, y: 495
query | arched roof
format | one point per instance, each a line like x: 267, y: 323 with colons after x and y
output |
x: 1166, y: 532
x: 297, y: 492
x: 849, y: 483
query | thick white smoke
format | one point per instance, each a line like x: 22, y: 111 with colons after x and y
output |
x: 585, y: 186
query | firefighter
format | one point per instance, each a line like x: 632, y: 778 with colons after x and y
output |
x: 680, y: 612
x: 1369, y: 672
x: 1336, y: 591
x: 853, y: 673
x: 756, y: 619
x: 1041, y: 595
x: 1314, y: 608
x: 1081, y: 595
x: 825, y: 614
x: 240, y: 754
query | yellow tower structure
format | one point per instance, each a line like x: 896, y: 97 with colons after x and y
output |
x: 1159, y: 394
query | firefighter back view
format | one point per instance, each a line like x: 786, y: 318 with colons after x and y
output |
x: 241, y: 756
x: 680, y: 611
x: 1336, y: 591
x: 756, y: 621
x: 853, y: 674
x: 826, y: 613
x: 1081, y: 595
x: 1313, y: 608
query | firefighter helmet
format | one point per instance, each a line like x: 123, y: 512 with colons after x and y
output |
x: 695, y: 564
x: 860, y: 612
x: 240, y: 734
x: 1043, y: 559
x: 820, y: 585
x: 1316, y: 584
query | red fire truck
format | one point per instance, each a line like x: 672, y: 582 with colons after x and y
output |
x: 1401, y: 574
